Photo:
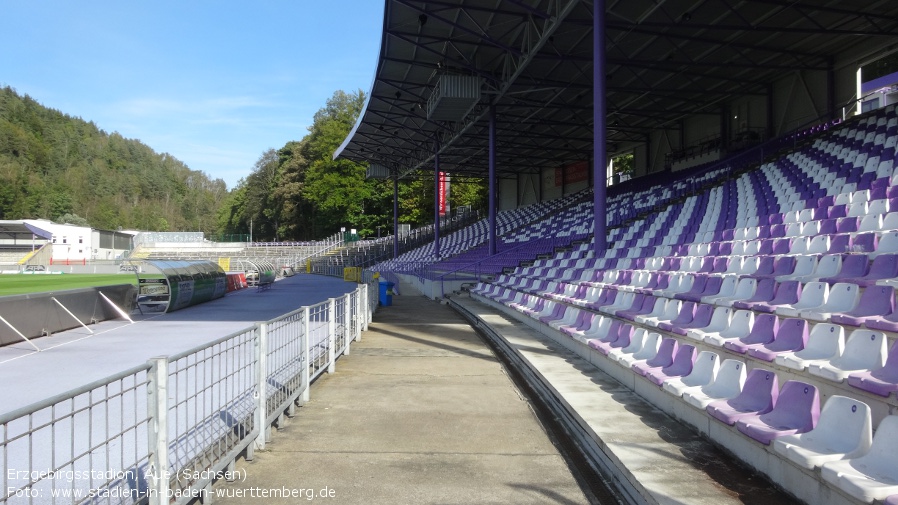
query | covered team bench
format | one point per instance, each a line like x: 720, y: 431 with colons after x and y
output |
x: 169, y: 285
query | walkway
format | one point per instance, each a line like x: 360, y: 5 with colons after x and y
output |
x: 419, y: 412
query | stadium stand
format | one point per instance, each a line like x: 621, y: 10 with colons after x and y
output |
x: 714, y: 301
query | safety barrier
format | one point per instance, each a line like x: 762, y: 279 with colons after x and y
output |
x: 163, y: 431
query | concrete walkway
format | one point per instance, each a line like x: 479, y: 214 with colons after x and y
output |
x: 419, y: 412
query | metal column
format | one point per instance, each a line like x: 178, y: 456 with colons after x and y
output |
x: 492, y: 182
x: 599, y: 159
x: 436, y: 203
x: 395, y: 217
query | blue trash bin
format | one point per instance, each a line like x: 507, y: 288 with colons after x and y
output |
x: 386, y: 293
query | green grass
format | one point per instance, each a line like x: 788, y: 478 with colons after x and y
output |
x: 19, y: 284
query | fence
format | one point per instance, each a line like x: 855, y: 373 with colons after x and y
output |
x: 163, y: 431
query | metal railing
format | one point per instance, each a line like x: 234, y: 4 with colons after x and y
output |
x: 164, y: 431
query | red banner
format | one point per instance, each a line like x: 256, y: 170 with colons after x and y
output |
x: 443, y: 193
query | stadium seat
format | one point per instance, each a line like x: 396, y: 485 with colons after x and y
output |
x: 704, y: 370
x: 864, y: 350
x: 875, y: 301
x: 664, y: 357
x: 791, y: 336
x: 720, y: 320
x: 758, y: 396
x: 796, y: 411
x: 670, y: 312
x: 844, y: 430
x: 873, y: 476
x: 762, y: 331
x: 825, y: 342
x: 882, y: 381
x: 740, y: 326
x: 813, y: 294
x: 637, y: 341
x: 727, y: 384
x: 744, y: 288
x: 682, y: 364
x: 843, y: 297
x: 648, y: 350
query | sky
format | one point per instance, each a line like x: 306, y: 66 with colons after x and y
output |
x: 213, y: 83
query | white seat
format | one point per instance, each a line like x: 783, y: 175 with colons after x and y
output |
x: 720, y: 320
x: 740, y: 326
x: 637, y: 340
x: 813, y: 294
x: 827, y: 266
x: 799, y: 246
x: 810, y: 228
x: 857, y: 209
x: 672, y: 284
x: 738, y: 248
x: 806, y: 215
x: 793, y: 229
x: 873, y: 476
x: 878, y: 207
x: 623, y: 301
x: 844, y: 430
x: 728, y: 384
x: 888, y: 244
x: 648, y: 351
x: 704, y: 371
x: 570, y: 316
x: 671, y: 310
x: 818, y: 245
x: 890, y: 221
x: 842, y: 297
x: 598, y: 329
x: 752, y: 247
x: 870, y: 222
x: 745, y: 288
x: 864, y: 350
x: 749, y: 265
x: 804, y: 267
x: 843, y: 198
x: 657, y: 311
x: 825, y: 342
x: 790, y: 217
x: 727, y: 288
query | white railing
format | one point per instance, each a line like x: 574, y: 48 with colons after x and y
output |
x: 163, y: 431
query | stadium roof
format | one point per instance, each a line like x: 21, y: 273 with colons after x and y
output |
x: 665, y: 60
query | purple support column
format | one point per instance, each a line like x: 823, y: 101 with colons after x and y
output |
x: 492, y: 182
x: 395, y: 217
x: 436, y: 203
x: 599, y: 107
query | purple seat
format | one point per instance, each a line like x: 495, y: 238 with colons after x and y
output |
x: 783, y: 265
x: 875, y: 302
x: 648, y: 305
x: 839, y: 244
x: 663, y: 358
x: 763, y: 293
x: 698, y: 285
x: 606, y: 297
x: 796, y: 411
x: 758, y: 396
x: 787, y: 293
x: 712, y: 287
x: 765, y: 268
x: 837, y: 211
x: 762, y: 331
x: 686, y: 314
x: 681, y: 366
x: 853, y: 266
x: 791, y: 336
x: 826, y: 201
x: 618, y: 336
x: 882, y: 381
x: 847, y: 225
x: 700, y: 319
x: 582, y: 323
x: 864, y: 242
x: 827, y: 227
x: 778, y: 230
x: 782, y: 246
x: 557, y: 313
x: 766, y: 247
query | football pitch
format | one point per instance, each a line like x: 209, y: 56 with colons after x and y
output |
x: 19, y: 284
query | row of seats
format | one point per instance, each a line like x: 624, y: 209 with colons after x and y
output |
x: 838, y: 438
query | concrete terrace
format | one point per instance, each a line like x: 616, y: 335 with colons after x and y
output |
x: 422, y: 411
